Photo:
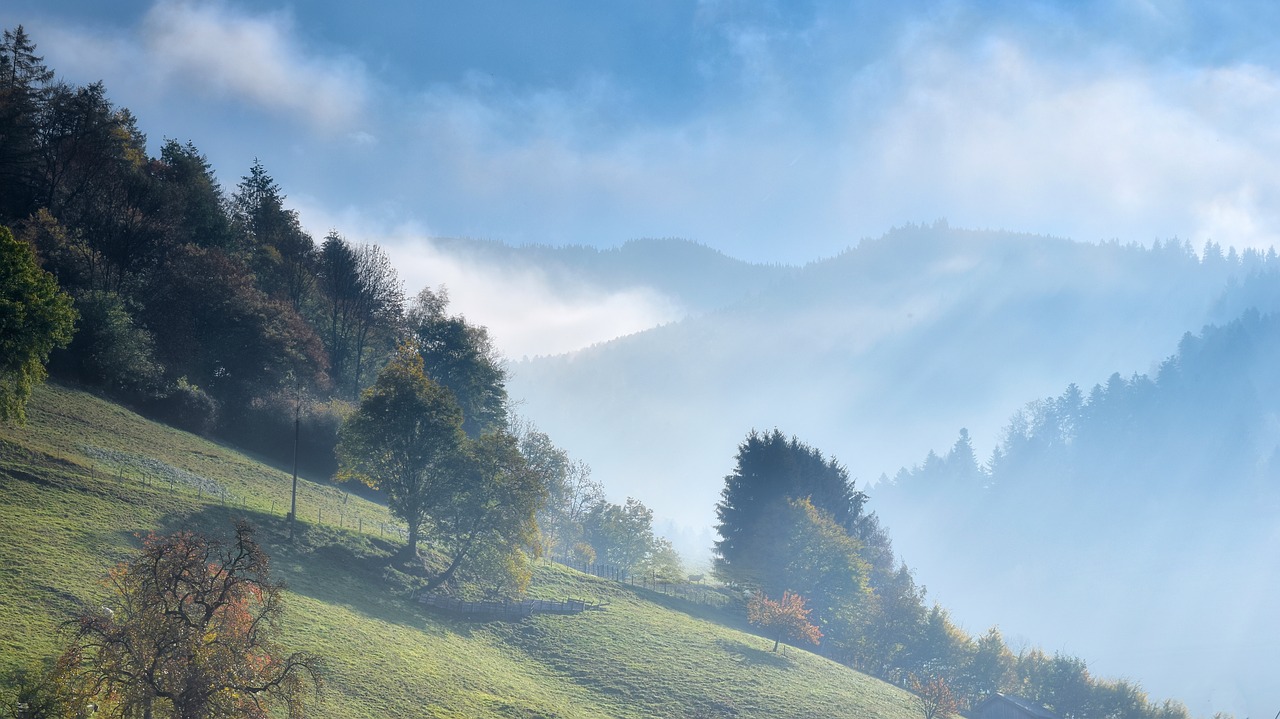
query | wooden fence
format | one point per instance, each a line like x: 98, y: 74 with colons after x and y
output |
x: 507, y: 610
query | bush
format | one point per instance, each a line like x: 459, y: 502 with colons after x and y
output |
x: 186, y: 406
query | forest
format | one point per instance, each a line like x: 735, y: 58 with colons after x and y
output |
x: 214, y: 311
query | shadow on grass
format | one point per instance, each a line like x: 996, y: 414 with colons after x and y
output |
x: 333, y: 566
x: 698, y: 610
x: 753, y: 655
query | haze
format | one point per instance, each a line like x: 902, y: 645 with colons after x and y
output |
x: 787, y: 140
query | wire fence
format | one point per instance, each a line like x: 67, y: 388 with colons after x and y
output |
x: 327, y: 506
x: 693, y: 591
x: 508, y: 610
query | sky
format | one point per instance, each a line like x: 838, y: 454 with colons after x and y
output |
x: 775, y: 132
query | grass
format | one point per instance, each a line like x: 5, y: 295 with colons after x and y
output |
x: 84, y: 478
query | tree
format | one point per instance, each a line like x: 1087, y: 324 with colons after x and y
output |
x: 934, y: 697
x: 280, y: 251
x: 404, y: 439
x: 786, y: 618
x: 216, y: 328
x: 460, y: 356
x: 571, y: 491
x: 662, y: 562
x: 824, y: 564
x: 489, y: 519
x: 771, y: 471
x: 24, y: 80
x: 35, y: 317
x: 192, y: 634
x: 619, y: 534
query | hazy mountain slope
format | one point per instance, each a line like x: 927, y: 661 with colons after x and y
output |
x: 1133, y: 523
x: 876, y: 356
x: 84, y: 477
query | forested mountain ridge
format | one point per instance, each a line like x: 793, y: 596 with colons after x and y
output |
x: 878, y: 354
x: 1164, y: 489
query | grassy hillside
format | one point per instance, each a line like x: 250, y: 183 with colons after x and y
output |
x: 84, y: 477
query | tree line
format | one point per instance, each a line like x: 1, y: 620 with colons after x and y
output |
x: 796, y: 535
x: 219, y: 313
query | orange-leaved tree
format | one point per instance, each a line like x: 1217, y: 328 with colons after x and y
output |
x: 934, y: 697
x: 786, y: 618
x: 190, y: 634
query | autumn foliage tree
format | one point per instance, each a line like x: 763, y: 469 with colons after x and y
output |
x: 786, y: 618
x: 934, y: 697
x: 191, y: 634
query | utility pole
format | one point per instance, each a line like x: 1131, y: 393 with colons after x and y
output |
x: 293, y: 502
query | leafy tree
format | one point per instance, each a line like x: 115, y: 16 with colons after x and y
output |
x: 217, y: 329
x: 934, y: 697
x: 404, y: 439
x: 460, y: 356
x: 490, y: 517
x: 662, y: 562
x: 619, y: 534
x: 786, y: 618
x: 824, y: 564
x: 192, y: 634
x: 991, y: 668
x: 894, y: 631
x: 571, y: 491
x: 110, y: 349
x: 35, y: 317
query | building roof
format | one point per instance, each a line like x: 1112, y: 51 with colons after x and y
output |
x: 1031, y: 708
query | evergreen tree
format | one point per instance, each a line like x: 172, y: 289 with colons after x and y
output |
x: 24, y: 82
x: 771, y: 471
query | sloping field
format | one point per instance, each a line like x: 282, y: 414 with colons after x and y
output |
x: 84, y: 478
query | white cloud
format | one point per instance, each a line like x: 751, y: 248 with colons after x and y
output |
x: 1091, y: 147
x: 257, y: 58
x: 526, y: 312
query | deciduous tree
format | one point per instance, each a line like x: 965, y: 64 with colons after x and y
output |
x: 191, y: 633
x: 35, y: 317
x: 460, y: 356
x: 934, y: 697
x: 404, y: 439
x: 489, y: 519
x: 786, y: 618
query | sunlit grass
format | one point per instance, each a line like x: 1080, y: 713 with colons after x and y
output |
x: 85, y: 478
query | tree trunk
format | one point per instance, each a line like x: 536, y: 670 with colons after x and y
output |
x: 410, y: 550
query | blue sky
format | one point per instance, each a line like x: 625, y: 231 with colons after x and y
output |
x: 778, y: 132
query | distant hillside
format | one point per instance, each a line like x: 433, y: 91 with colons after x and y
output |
x: 1134, y: 520
x: 876, y: 355
x: 84, y: 478
x: 692, y: 275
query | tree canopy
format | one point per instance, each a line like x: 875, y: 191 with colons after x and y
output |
x: 191, y: 633
x: 35, y: 317
x: 771, y: 471
x: 404, y: 439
